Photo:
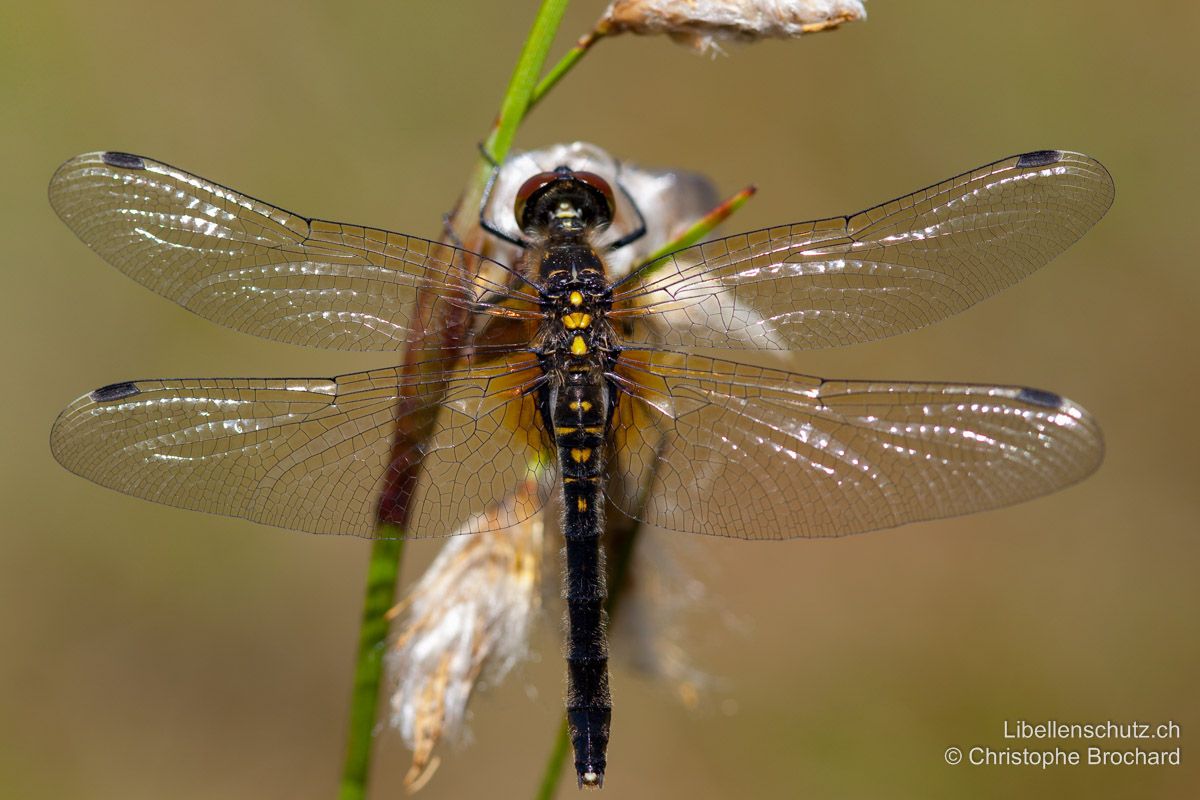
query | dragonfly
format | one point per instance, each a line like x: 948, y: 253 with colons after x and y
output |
x: 591, y: 391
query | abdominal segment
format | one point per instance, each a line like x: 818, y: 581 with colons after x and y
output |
x: 579, y: 430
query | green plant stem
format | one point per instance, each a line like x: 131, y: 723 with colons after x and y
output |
x: 386, y: 553
x: 554, y: 763
x: 382, y: 572
x: 524, y: 79
x: 517, y: 100
x: 565, y: 65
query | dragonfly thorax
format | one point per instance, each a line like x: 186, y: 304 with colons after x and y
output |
x: 576, y: 297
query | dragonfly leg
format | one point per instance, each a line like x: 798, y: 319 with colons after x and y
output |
x: 486, y: 223
x: 637, y: 232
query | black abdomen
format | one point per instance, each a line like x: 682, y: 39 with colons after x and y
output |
x: 579, y: 415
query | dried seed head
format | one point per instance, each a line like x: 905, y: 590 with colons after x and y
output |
x: 705, y: 24
x: 468, y: 616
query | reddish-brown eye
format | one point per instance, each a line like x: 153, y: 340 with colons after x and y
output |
x: 600, y: 185
x: 528, y: 188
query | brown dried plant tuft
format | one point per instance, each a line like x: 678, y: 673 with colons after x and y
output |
x: 468, y: 616
x: 705, y: 24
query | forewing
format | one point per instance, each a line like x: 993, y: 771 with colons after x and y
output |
x: 265, y: 271
x: 891, y: 269
x: 734, y: 450
x: 320, y: 455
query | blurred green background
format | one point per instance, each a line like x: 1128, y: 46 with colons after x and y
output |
x: 148, y: 652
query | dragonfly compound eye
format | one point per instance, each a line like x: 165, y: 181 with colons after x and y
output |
x: 602, y: 191
x: 563, y: 194
x: 534, y: 187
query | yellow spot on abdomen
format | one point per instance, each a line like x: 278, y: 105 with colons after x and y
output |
x: 578, y: 404
x: 581, y: 504
x: 580, y: 456
x: 578, y: 346
x: 576, y: 298
x: 565, y: 431
x: 577, y: 319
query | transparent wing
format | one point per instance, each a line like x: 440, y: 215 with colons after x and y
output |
x: 265, y: 271
x: 893, y: 268
x: 321, y: 455
x: 753, y: 453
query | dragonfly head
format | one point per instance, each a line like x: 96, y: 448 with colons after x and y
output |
x: 564, y: 200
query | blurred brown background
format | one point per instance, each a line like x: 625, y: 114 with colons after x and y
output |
x: 148, y: 652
